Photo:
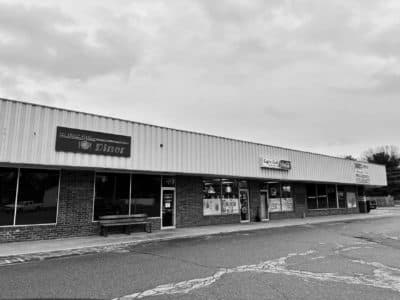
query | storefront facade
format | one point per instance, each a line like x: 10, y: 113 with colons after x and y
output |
x: 60, y: 170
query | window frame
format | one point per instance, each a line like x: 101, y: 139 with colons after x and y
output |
x: 323, y: 195
x: 131, y: 189
x: 94, y: 190
x: 280, y: 184
x: 327, y: 196
x: 315, y: 196
x: 14, y: 225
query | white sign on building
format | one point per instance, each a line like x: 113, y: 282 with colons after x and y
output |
x: 275, y: 164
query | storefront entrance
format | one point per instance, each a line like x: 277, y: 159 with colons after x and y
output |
x: 244, y: 205
x: 167, y: 207
x: 264, y: 213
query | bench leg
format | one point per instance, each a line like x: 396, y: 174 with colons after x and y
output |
x: 104, y: 231
x: 148, y: 227
x: 126, y: 229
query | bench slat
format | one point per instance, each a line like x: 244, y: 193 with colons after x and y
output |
x: 122, y: 221
x: 116, y: 217
x: 123, y: 224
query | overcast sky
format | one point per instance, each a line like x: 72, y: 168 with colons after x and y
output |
x: 321, y: 76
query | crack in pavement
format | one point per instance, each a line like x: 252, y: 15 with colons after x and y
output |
x: 383, y: 276
x: 190, y: 262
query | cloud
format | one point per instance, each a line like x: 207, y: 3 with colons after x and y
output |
x: 47, y: 41
x: 303, y: 74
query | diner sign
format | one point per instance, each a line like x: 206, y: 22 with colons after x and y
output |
x: 92, y: 142
x: 275, y: 164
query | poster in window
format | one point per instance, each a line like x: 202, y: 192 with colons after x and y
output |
x: 275, y: 205
x: 211, y: 207
x: 287, y: 204
x: 351, y: 200
x: 230, y: 206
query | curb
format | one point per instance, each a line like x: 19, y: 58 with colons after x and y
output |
x: 121, y: 246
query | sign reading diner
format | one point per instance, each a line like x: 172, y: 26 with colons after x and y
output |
x: 92, y: 142
x: 275, y: 164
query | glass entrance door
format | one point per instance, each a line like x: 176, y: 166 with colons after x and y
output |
x: 244, y: 205
x: 264, y: 215
x: 168, y: 208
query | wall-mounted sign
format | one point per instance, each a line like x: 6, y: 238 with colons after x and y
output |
x: 275, y: 164
x: 92, y: 142
x: 361, y: 172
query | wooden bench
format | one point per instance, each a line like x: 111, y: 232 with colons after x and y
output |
x: 125, y: 221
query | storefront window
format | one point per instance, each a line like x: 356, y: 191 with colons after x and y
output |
x: 332, y: 201
x: 211, y: 197
x: 322, y: 196
x: 351, y: 197
x: 230, y: 197
x: 37, y: 196
x: 341, y: 196
x: 286, y: 197
x: 112, y: 194
x: 311, y: 196
x: 274, y: 190
x: 8, y: 187
x: 146, y: 195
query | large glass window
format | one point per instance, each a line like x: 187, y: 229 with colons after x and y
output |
x: 230, y: 197
x: 342, y: 196
x: 322, y: 196
x: 111, y: 194
x: 146, y: 195
x: 311, y: 196
x: 351, y: 197
x: 274, y: 190
x: 37, y: 196
x: 211, y: 197
x: 8, y: 187
x: 332, y: 200
x: 287, y: 199
x: 221, y: 196
x: 280, y: 197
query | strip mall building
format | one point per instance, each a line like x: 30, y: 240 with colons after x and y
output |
x: 60, y: 170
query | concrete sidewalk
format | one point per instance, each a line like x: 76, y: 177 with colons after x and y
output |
x: 38, y: 250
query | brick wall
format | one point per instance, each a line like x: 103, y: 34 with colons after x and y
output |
x: 189, y: 205
x: 331, y: 211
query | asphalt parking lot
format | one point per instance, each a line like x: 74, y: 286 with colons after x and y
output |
x: 337, y: 260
